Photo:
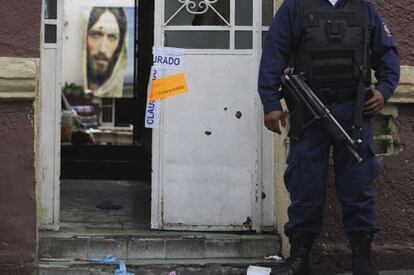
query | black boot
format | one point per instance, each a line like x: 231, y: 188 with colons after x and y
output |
x: 361, y: 253
x: 298, y: 261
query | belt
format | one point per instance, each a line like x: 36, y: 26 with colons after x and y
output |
x: 329, y: 96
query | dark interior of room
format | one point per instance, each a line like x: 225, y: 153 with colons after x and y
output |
x: 115, y: 177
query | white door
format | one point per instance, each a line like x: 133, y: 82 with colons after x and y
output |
x: 49, y: 105
x: 208, y: 172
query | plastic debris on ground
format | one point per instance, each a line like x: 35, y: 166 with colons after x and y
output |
x: 109, y: 259
x: 257, y: 270
x: 108, y: 205
x: 273, y: 258
x: 172, y: 273
x: 122, y: 270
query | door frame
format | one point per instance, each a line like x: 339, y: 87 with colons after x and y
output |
x: 264, y: 217
x: 48, y: 136
x: 48, y: 104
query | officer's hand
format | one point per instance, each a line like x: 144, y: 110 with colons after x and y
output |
x: 271, y: 121
x: 375, y: 103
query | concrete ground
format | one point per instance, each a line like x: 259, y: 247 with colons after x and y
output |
x: 79, y: 199
x: 398, y: 272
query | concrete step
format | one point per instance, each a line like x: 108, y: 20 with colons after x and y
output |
x: 134, y: 244
x: 222, y: 266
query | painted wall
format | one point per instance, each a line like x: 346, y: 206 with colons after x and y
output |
x: 399, y: 17
x: 19, y: 37
x: 20, y: 28
x: 17, y: 182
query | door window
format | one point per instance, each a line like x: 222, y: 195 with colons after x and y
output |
x: 268, y: 9
x: 208, y: 24
x: 50, y: 28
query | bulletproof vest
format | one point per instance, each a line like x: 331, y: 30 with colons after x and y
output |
x: 330, y: 47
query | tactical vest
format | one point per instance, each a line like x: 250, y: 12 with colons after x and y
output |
x: 330, y: 47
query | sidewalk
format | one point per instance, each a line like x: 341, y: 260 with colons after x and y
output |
x: 397, y: 272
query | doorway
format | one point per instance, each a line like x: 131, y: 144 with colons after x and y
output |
x: 222, y: 154
x: 216, y: 172
x: 104, y: 149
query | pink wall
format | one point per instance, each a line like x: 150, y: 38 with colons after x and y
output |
x: 20, y: 28
x: 19, y: 37
x: 17, y: 185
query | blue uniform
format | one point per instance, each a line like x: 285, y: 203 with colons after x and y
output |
x: 305, y: 176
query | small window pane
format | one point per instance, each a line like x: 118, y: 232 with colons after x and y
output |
x: 244, y: 12
x: 50, y: 34
x: 197, y: 39
x: 267, y: 12
x: 107, y: 109
x: 51, y: 9
x: 244, y: 40
x: 207, y: 16
x: 264, y: 33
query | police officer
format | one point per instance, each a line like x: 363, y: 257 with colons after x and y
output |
x: 335, y: 43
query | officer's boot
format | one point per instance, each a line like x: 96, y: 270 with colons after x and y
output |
x: 361, y: 253
x: 298, y: 261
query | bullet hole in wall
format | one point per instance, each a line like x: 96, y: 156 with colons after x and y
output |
x: 239, y: 114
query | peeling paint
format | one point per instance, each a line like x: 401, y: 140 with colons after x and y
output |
x: 42, y: 212
x: 248, y: 222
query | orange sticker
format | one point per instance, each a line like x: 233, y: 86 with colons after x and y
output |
x: 168, y: 86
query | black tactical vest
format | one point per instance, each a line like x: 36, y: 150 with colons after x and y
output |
x: 330, y: 47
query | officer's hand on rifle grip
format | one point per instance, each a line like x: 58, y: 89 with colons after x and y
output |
x: 375, y: 104
x: 271, y: 121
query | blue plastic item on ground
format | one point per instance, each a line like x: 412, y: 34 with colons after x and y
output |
x: 109, y: 259
x: 122, y: 269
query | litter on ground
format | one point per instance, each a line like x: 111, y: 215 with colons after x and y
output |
x: 257, y: 270
x: 273, y: 258
x: 122, y: 269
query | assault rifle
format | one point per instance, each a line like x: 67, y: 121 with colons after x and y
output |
x: 303, y: 96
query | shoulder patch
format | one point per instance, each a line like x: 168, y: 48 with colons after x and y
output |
x: 387, y: 30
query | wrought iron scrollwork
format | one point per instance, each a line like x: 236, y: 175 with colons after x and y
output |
x: 197, y: 8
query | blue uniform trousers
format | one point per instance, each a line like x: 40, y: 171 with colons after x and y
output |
x: 305, y: 176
